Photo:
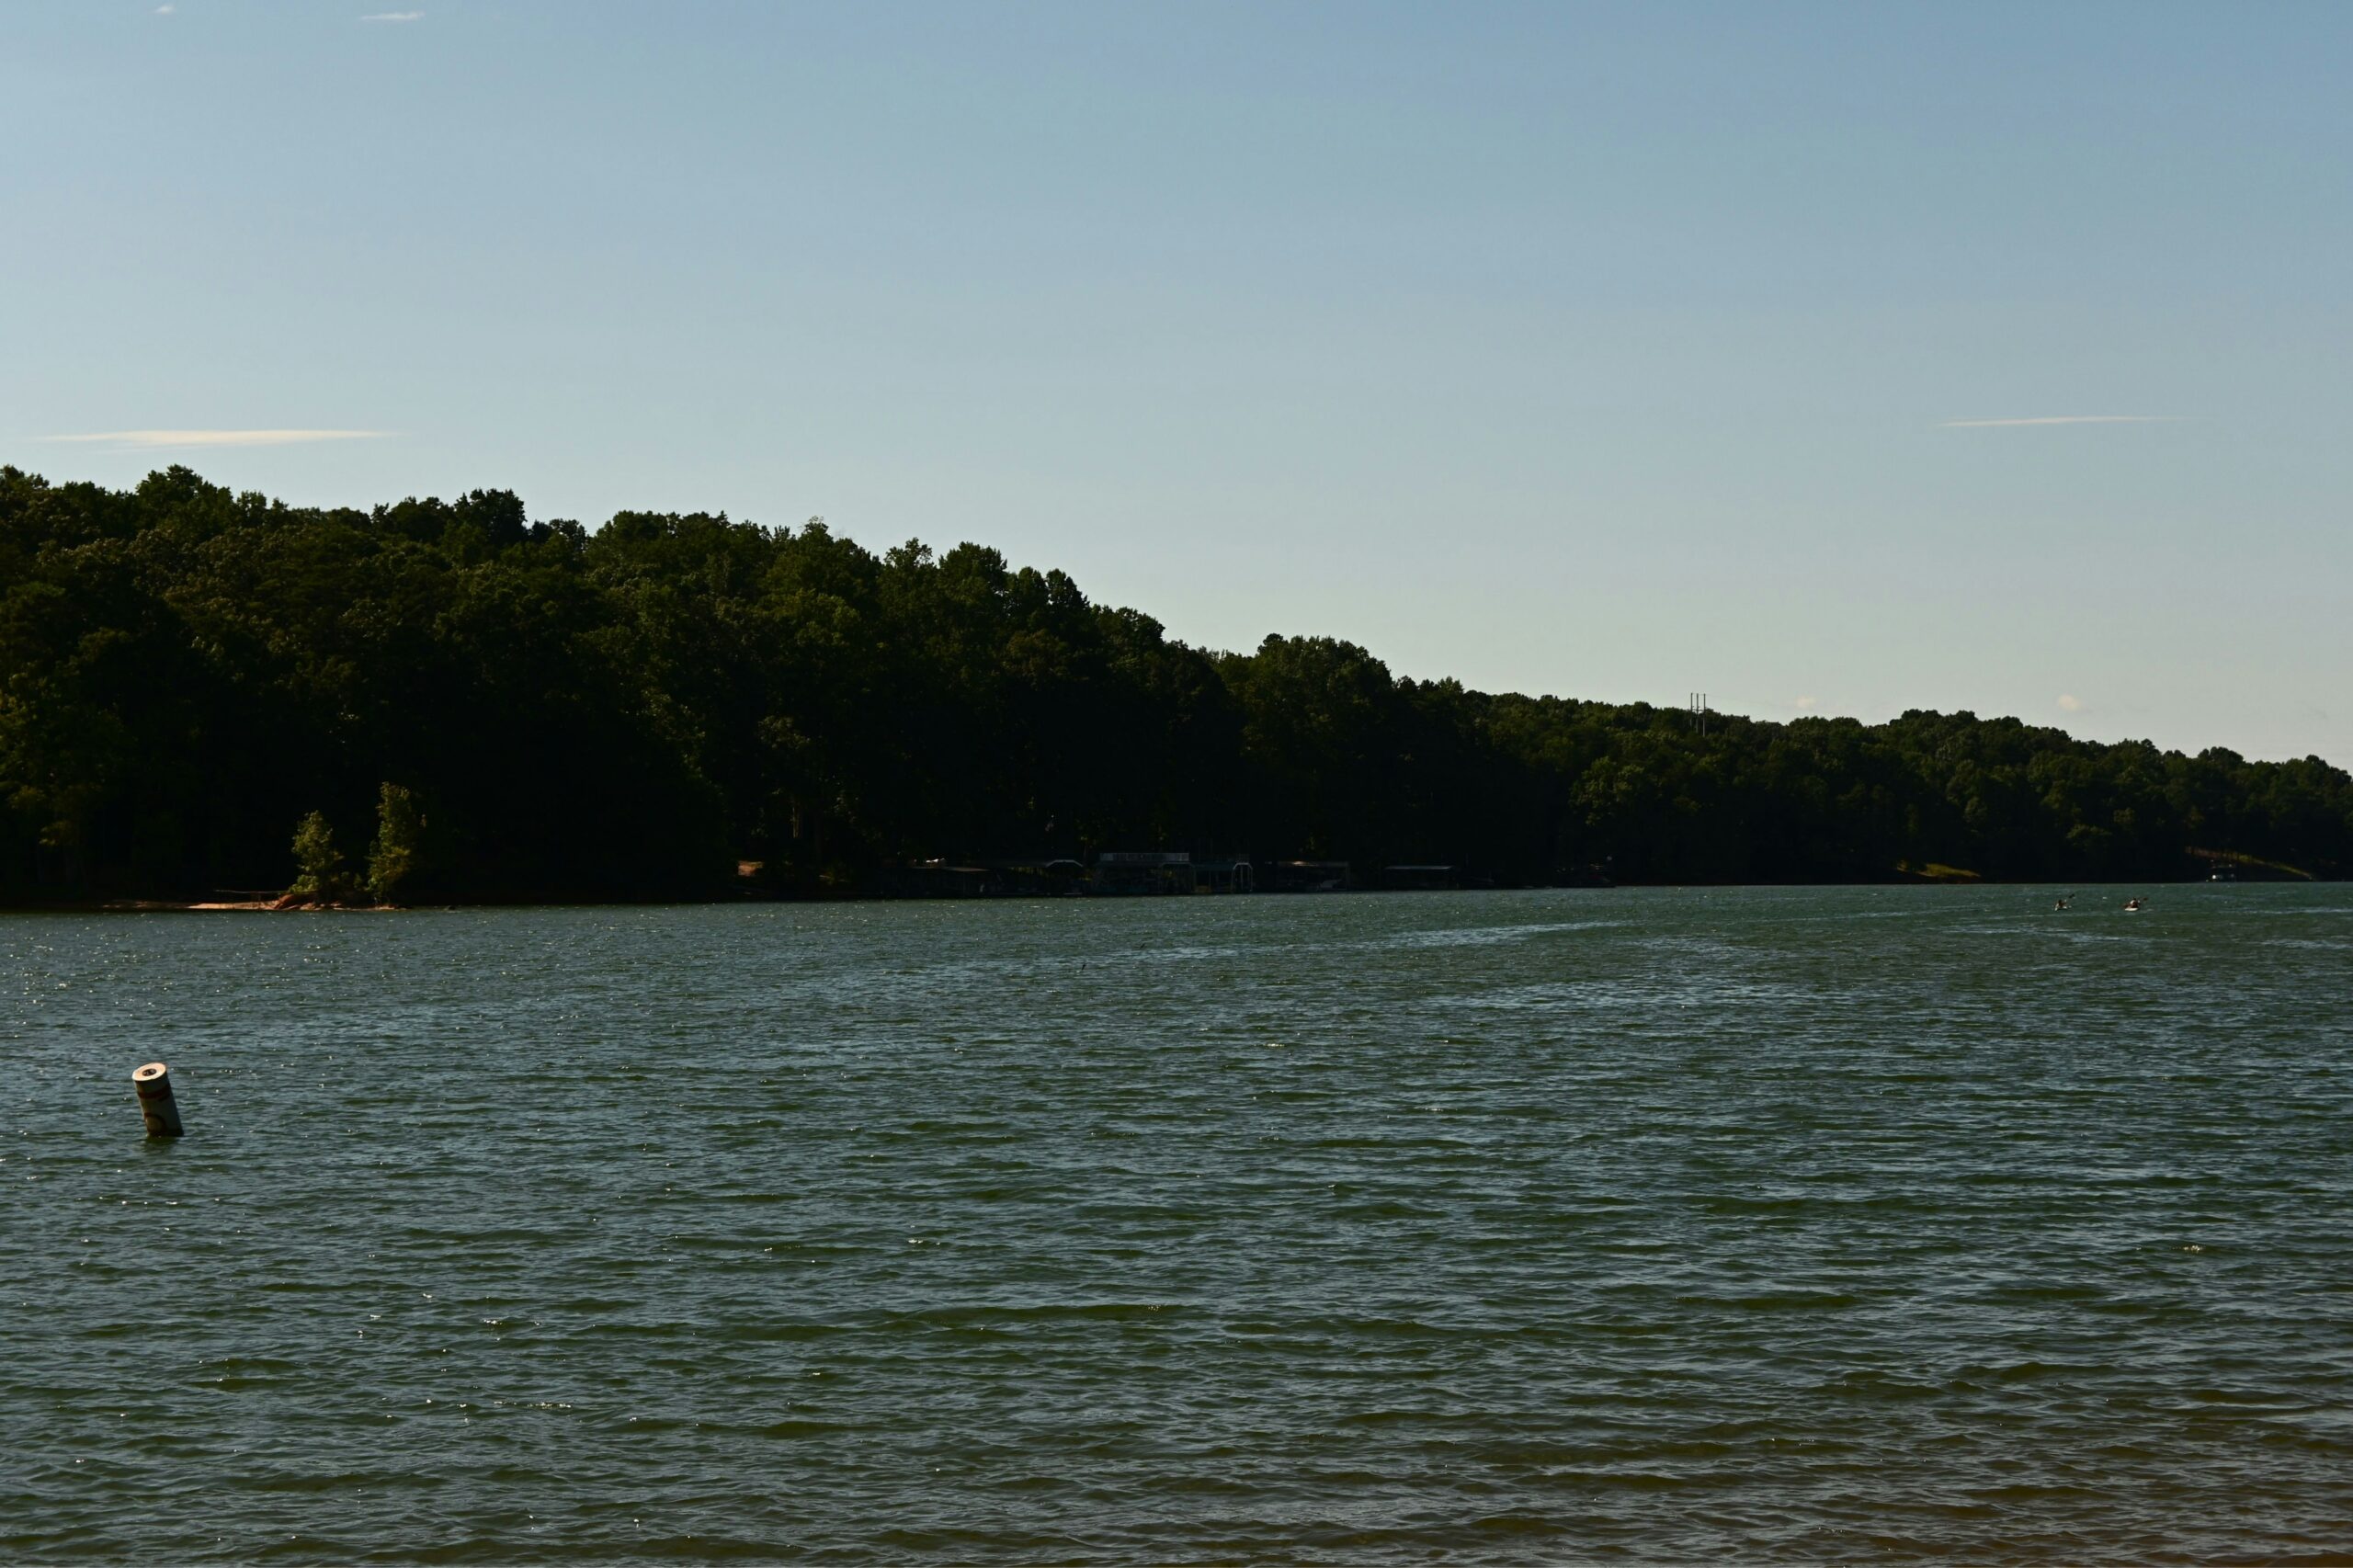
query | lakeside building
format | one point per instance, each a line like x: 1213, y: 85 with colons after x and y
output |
x: 1133, y: 872
x: 1141, y: 873
x: 1231, y: 874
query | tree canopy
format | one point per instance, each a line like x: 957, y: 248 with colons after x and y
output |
x: 536, y: 710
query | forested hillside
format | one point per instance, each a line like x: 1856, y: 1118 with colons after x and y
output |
x: 187, y: 674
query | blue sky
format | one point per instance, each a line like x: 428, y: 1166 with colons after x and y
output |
x: 1613, y: 351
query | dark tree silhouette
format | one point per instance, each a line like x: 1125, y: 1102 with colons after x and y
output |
x: 631, y: 713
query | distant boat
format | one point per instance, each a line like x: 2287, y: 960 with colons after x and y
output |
x: 2223, y: 873
x: 2134, y: 907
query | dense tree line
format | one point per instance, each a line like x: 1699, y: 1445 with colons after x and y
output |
x: 509, y: 709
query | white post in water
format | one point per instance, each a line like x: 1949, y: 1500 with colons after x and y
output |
x: 154, y: 1083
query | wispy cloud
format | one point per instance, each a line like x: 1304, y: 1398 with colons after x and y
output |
x: 2065, y: 419
x: 394, y: 17
x: 166, y: 10
x: 130, y: 440
x: 2070, y: 704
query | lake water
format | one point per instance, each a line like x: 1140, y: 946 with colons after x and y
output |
x: 1851, y: 1224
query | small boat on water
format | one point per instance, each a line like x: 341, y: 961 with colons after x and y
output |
x: 2134, y: 907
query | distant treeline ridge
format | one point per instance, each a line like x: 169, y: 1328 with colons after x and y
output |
x: 189, y: 674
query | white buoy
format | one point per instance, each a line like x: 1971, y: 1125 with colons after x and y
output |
x: 154, y: 1083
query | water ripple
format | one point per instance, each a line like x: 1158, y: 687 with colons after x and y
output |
x: 1846, y: 1225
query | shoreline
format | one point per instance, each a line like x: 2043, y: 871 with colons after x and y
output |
x: 273, y: 906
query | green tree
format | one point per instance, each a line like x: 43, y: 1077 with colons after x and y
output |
x: 319, y: 872
x: 400, y: 834
x: 630, y: 713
